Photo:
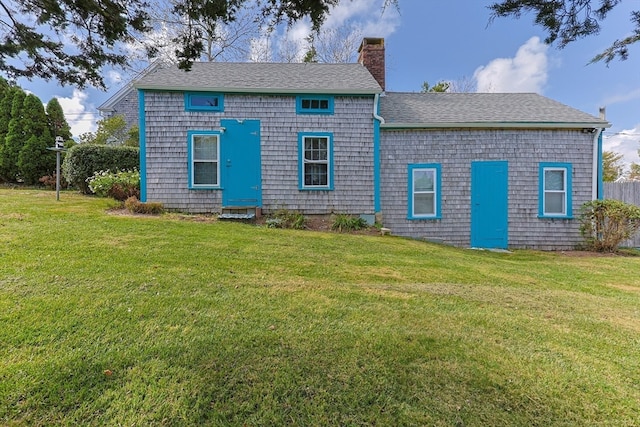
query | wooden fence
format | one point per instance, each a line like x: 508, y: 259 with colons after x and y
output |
x: 628, y: 192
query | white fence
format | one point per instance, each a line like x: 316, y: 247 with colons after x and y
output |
x: 628, y: 192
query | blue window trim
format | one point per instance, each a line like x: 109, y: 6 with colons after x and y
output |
x: 142, y: 124
x: 438, y: 190
x: 301, y: 137
x: 189, y: 107
x: 300, y: 110
x: 568, y: 191
x: 190, y: 135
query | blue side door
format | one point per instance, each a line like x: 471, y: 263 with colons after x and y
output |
x: 489, y: 204
x: 240, y: 157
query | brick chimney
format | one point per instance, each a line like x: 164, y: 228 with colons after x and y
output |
x: 371, y: 55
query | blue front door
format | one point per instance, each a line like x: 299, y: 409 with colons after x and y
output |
x: 489, y: 204
x: 240, y: 156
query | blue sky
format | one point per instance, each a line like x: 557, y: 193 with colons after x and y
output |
x: 453, y: 40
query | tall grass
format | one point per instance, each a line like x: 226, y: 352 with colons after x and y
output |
x: 117, y: 320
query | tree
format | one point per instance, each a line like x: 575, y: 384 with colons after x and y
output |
x: 569, y: 20
x: 14, y: 140
x: 111, y: 131
x: 612, y: 166
x: 634, y: 172
x: 441, y: 86
x: 6, y: 99
x: 58, y: 125
x: 96, y: 32
x: 31, y: 34
x: 34, y: 160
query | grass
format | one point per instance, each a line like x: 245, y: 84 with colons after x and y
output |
x: 119, y: 320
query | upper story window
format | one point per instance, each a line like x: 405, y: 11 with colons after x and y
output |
x: 555, y: 190
x: 314, y: 104
x: 424, y: 191
x: 203, y: 101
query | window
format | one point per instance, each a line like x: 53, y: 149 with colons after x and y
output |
x: 314, y: 104
x: 203, y: 101
x: 555, y: 190
x: 315, y: 161
x: 424, y: 191
x: 203, y: 154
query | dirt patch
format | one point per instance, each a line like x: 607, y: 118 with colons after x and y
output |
x: 321, y: 223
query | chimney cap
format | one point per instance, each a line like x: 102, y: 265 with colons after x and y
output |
x: 371, y: 41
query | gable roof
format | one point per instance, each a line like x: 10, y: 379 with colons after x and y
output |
x: 255, y: 77
x: 125, y: 91
x: 449, y: 110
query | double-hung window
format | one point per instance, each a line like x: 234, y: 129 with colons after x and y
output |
x: 203, y: 156
x: 314, y: 104
x: 424, y: 191
x: 555, y: 190
x: 316, y: 163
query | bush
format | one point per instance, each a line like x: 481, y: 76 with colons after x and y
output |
x: 344, y: 222
x: 119, y: 185
x: 284, y: 218
x: 133, y: 205
x: 49, y: 181
x: 83, y: 160
x: 605, y: 224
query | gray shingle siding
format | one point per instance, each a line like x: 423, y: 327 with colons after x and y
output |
x: 127, y: 106
x: 167, y: 124
x: 454, y: 150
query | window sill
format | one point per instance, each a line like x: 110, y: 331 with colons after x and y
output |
x: 555, y: 217
x: 205, y: 188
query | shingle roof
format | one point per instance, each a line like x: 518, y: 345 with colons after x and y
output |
x: 253, y: 77
x: 480, y: 109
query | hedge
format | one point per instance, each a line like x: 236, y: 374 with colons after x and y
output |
x: 83, y: 160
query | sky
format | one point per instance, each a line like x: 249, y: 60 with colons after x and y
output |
x: 455, y: 40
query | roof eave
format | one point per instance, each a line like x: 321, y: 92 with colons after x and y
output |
x: 497, y: 125
x: 268, y: 91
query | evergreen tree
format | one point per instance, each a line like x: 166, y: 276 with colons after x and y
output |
x: 34, y: 160
x: 58, y: 125
x: 6, y: 100
x: 14, y: 140
x: 6, y: 96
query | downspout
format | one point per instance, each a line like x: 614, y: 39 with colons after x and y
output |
x: 378, y: 120
x: 596, y: 189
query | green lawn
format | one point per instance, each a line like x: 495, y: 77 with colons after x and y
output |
x: 117, y: 320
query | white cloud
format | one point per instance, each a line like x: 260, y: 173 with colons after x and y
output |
x: 622, y: 97
x: 526, y: 72
x: 79, y: 113
x: 367, y: 16
x: 348, y: 18
x: 114, y: 77
x: 625, y: 142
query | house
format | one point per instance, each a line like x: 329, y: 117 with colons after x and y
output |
x: 479, y: 170
x: 125, y: 101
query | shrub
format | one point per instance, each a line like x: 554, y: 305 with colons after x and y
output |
x: 134, y: 205
x: 284, y: 218
x: 118, y: 185
x: 49, y: 181
x: 83, y: 160
x: 605, y: 224
x: 344, y: 222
